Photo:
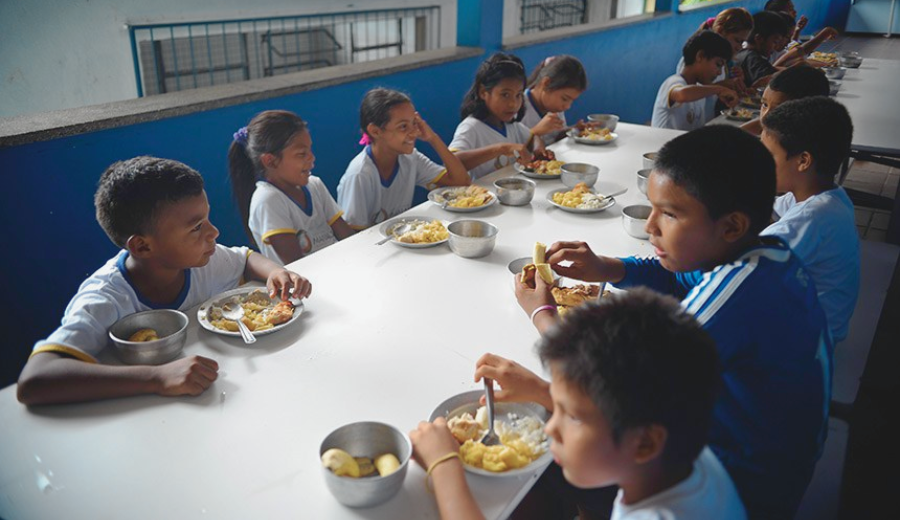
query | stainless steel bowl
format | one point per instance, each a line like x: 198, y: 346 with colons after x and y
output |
x: 367, y: 439
x: 643, y: 177
x: 472, y: 238
x: 650, y: 159
x: 170, y: 326
x: 514, y: 191
x: 835, y: 72
x: 634, y: 219
x: 608, y: 120
x: 850, y: 60
x: 833, y: 87
x: 573, y: 173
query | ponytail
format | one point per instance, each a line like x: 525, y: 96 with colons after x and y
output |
x: 492, y: 71
x: 242, y: 174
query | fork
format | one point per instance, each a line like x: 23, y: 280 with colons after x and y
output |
x: 490, y: 438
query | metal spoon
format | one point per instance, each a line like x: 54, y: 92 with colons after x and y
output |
x: 490, y: 438
x: 615, y: 194
x: 396, y: 232
x: 235, y: 312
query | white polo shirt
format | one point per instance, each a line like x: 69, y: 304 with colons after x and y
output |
x: 473, y: 133
x: 678, y: 116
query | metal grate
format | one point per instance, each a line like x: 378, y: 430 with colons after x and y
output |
x: 182, y: 56
x: 540, y: 15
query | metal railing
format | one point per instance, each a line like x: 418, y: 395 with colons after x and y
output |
x: 181, y: 56
x: 541, y: 15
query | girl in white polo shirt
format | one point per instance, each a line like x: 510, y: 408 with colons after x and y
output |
x: 552, y: 88
x: 380, y: 182
x: 288, y: 212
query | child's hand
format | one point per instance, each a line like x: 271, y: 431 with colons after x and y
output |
x: 517, y: 383
x: 515, y: 150
x: 432, y: 441
x: 530, y: 299
x: 187, y: 376
x: 281, y: 281
x: 829, y: 33
x: 729, y: 97
x: 551, y: 123
x: 425, y: 132
x: 585, y: 265
x: 801, y: 23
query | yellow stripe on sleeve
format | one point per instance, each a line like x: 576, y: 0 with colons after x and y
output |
x: 669, y: 103
x: 336, y: 216
x: 433, y: 183
x: 63, y: 349
x: 453, y: 150
x: 283, y: 231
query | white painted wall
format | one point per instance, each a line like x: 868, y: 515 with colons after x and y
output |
x: 57, y: 54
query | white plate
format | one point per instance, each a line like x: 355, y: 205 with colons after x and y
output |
x: 389, y: 225
x: 521, y: 169
x: 437, y: 196
x: 240, y: 291
x: 610, y: 203
x: 734, y: 116
x: 468, y: 402
x: 573, y: 133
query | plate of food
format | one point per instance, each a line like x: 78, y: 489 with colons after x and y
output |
x: 462, y: 199
x: 525, y: 447
x: 262, y: 315
x: 542, y: 166
x: 740, y: 114
x: 422, y: 231
x: 592, y: 135
x: 754, y: 101
x: 828, y: 58
x: 580, y: 199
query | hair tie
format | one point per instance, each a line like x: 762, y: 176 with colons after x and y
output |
x: 710, y: 21
x: 365, y: 140
x: 547, y: 60
x: 241, y: 136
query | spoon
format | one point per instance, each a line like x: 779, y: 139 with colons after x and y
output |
x: 615, y: 194
x: 396, y: 232
x: 235, y: 314
x: 490, y: 438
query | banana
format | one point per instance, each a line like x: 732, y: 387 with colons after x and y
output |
x: 545, y: 272
x: 387, y: 464
x: 366, y: 467
x: 341, y: 463
x: 540, y: 253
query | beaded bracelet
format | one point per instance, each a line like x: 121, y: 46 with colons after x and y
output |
x: 445, y: 458
x: 541, y: 308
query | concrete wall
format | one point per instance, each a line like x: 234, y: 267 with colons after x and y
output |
x: 46, y: 211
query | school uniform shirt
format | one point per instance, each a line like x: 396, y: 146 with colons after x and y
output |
x: 533, y: 116
x: 775, y: 353
x: 273, y: 212
x: 367, y: 199
x: 754, y: 65
x: 710, y: 108
x: 821, y: 230
x: 108, y: 295
x: 706, y: 493
x: 678, y: 116
x: 473, y: 133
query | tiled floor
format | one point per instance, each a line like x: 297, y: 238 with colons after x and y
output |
x: 876, y: 179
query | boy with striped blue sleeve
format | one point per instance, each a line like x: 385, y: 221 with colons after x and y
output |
x: 712, y: 191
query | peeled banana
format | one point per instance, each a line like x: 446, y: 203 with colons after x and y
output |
x: 340, y: 463
x: 387, y: 464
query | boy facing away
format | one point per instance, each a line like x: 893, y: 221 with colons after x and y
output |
x: 633, y: 385
x: 711, y: 192
x: 681, y: 99
x: 809, y: 140
x: 156, y: 211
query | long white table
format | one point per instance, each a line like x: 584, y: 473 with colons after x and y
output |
x: 388, y: 334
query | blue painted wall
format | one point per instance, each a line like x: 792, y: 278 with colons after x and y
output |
x: 47, y: 209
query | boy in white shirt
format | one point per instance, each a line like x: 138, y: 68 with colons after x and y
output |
x: 681, y: 100
x: 809, y: 139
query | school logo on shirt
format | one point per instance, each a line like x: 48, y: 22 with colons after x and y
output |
x: 691, y: 116
x: 306, y: 243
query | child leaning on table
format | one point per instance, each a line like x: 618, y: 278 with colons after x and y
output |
x: 767, y: 36
x: 711, y: 193
x: 156, y: 211
x: 380, y: 182
x: 552, y: 88
x: 810, y: 139
x: 681, y: 100
x: 632, y: 390
x: 797, y: 82
x: 287, y: 211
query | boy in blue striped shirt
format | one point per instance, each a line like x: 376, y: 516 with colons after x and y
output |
x: 712, y: 191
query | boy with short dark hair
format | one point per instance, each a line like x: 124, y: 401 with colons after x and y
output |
x: 797, y: 82
x: 766, y: 37
x: 711, y: 191
x: 809, y: 140
x: 681, y: 100
x: 634, y: 380
x: 156, y: 211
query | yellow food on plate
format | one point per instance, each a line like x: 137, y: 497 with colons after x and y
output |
x: 579, y: 197
x: 425, y: 233
x: 387, y: 464
x: 260, y: 312
x: 596, y: 134
x: 469, y: 197
x: 340, y: 463
x: 498, y: 458
x: 523, y: 441
x: 144, y: 335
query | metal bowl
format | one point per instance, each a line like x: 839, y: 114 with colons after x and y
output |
x: 367, y: 439
x: 835, y: 72
x: 833, y: 87
x: 650, y: 159
x: 634, y: 220
x: 607, y: 120
x: 514, y: 191
x: 472, y: 238
x: 643, y: 177
x: 573, y: 173
x: 170, y: 326
x: 851, y: 60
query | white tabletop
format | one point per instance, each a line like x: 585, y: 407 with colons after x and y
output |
x: 388, y: 334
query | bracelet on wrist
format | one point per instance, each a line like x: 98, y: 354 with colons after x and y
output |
x: 540, y: 309
x: 445, y: 458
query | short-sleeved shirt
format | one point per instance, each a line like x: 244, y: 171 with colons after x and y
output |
x: 678, y: 116
x: 273, y: 212
x: 108, y: 295
x: 473, y: 133
x: 533, y: 116
x: 821, y: 230
x: 710, y: 108
x: 706, y: 493
x: 754, y: 65
x: 775, y: 353
x: 367, y: 199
